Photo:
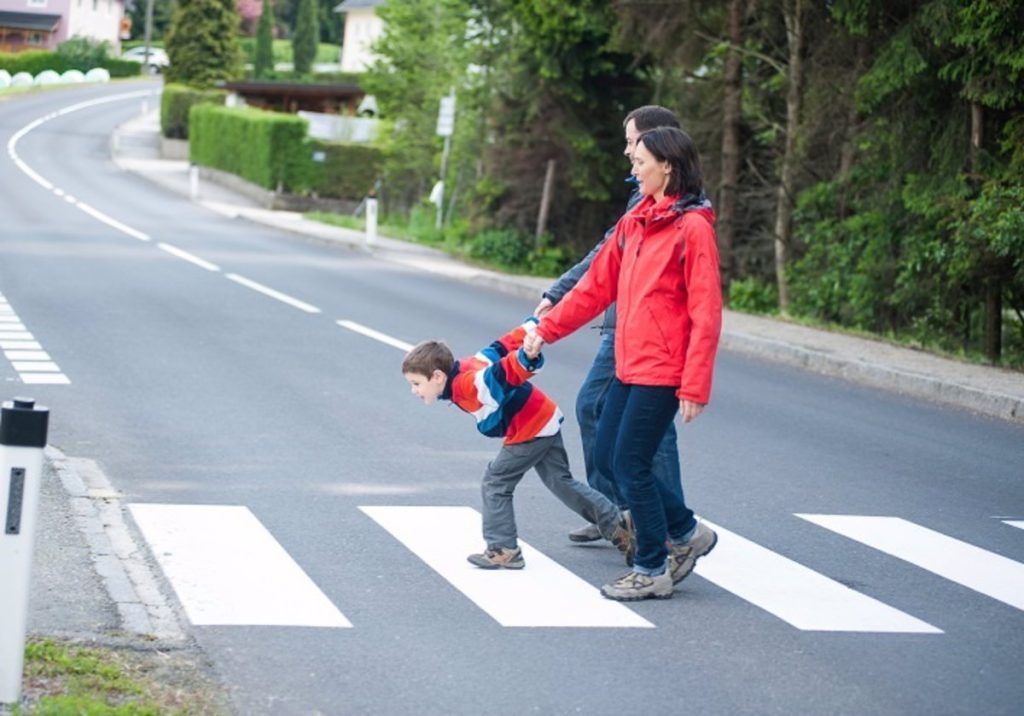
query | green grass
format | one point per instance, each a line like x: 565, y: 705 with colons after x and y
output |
x: 63, y: 679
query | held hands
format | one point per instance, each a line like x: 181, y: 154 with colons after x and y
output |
x: 532, y: 345
x: 688, y: 409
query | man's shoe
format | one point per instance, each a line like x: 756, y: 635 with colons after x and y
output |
x: 634, y: 586
x: 683, y: 557
x: 624, y: 537
x: 503, y: 558
x: 588, y: 533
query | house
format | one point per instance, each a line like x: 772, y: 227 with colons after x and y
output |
x: 362, y: 27
x: 44, y: 24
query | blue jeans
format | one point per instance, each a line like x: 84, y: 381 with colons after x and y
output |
x: 632, y: 426
x: 589, y: 406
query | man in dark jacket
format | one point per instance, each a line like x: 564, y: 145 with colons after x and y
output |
x: 590, y: 399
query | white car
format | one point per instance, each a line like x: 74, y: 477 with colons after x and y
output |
x: 157, y: 57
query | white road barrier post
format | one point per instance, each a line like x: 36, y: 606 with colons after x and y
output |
x: 371, y: 221
x: 23, y: 428
x: 193, y: 182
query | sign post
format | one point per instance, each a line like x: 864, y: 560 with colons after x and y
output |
x: 445, y: 127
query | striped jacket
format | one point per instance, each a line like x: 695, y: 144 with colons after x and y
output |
x: 493, y: 387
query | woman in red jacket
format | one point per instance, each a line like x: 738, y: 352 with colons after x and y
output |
x: 661, y: 270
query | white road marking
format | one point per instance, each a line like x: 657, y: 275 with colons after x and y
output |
x: 32, y: 364
x: 544, y: 594
x: 19, y: 345
x: 44, y: 378
x: 266, y: 291
x: 975, y: 568
x: 35, y: 366
x: 227, y: 569
x: 26, y: 355
x: 191, y: 258
x: 1019, y: 524
x: 113, y: 223
x: 376, y: 335
x: 797, y: 594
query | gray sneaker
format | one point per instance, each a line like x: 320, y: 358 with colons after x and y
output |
x: 503, y: 558
x: 587, y: 533
x: 683, y: 557
x: 634, y: 586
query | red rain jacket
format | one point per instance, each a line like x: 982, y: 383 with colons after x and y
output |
x: 662, y: 272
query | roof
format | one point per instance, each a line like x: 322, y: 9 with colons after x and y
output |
x: 29, y: 21
x: 357, y: 5
x: 293, y: 89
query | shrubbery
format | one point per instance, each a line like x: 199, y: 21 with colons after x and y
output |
x: 175, y: 104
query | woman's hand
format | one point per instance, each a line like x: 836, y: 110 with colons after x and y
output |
x: 688, y: 409
x: 543, y: 307
x: 532, y: 345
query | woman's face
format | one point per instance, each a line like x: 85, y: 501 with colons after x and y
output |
x: 652, y: 174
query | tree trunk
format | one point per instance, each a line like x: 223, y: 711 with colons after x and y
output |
x: 793, y: 11
x: 731, y: 109
x: 993, y: 282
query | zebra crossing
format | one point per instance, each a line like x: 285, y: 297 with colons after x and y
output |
x: 227, y: 569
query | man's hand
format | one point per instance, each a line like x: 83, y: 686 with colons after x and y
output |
x: 690, y: 410
x: 543, y: 307
x: 532, y: 345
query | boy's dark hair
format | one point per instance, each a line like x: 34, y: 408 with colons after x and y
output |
x: 675, y: 146
x: 427, y: 357
x: 652, y: 116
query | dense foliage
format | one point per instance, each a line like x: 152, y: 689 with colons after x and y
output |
x: 866, y: 157
x: 202, y: 43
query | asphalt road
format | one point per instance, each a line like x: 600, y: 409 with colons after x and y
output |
x: 190, y: 387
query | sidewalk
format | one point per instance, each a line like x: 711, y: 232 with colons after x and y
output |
x: 990, y: 391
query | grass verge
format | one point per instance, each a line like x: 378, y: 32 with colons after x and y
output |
x: 63, y: 678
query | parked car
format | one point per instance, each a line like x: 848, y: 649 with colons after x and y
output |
x: 157, y: 57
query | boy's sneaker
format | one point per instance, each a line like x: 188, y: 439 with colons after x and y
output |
x: 624, y: 537
x: 587, y: 533
x: 503, y: 558
x: 634, y: 586
x: 683, y: 557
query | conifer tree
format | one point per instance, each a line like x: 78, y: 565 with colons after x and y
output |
x: 202, y: 43
x: 306, y: 37
x: 263, y: 64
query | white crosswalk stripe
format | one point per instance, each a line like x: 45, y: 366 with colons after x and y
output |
x: 544, y: 594
x: 227, y: 569
x: 975, y: 568
x: 797, y: 594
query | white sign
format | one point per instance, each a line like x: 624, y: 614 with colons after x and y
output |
x: 446, y: 116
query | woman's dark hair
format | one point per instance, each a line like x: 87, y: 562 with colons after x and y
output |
x: 668, y: 144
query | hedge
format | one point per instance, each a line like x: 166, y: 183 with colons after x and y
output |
x: 266, y: 148
x: 270, y: 149
x: 35, y: 61
x: 175, y: 103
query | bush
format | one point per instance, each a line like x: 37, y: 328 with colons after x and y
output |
x: 83, y: 53
x: 504, y: 247
x: 266, y: 148
x: 36, y: 61
x: 348, y: 171
x: 122, y: 68
x: 175, y: 104
x: 753, y: 296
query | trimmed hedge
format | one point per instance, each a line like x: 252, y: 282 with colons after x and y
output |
x: 266, y: 148
x: 35, y: 61
x: 270, y: 149
x: 175, y: 103
x: 348, y: 171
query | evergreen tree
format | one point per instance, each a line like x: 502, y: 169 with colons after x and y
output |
x: 306, y: 38
x: 202, y: 43
x: 263, y: 66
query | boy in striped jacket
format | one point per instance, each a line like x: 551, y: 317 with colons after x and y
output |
x: 493, y: 386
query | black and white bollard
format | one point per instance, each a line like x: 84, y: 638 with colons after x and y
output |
x: 23, y: 429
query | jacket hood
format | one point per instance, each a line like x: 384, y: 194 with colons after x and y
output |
x: 675, y: 206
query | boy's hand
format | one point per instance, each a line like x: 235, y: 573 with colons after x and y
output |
x: 532, y: 345
x: 690, y: 410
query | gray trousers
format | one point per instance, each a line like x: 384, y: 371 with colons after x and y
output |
x: 547, y: 456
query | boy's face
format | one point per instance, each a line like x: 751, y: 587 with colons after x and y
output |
x: 427, y: 388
